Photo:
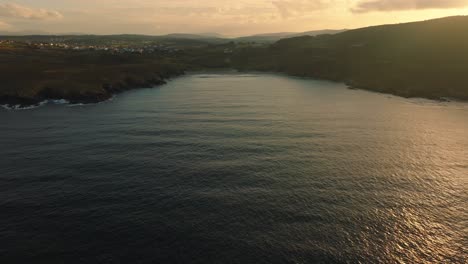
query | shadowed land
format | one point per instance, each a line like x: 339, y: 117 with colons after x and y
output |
x: 30, y: 76
x: 422, y: 59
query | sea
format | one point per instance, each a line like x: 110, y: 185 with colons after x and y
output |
x: 231, y: 167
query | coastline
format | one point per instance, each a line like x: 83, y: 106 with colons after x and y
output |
x: 108, y: 91
x: 356, y: 86
x: 47, y: 96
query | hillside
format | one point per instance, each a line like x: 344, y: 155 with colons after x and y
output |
x: 30, y: 76
x: 420, y: 59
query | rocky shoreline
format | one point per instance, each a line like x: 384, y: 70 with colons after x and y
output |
x: 107, y: 91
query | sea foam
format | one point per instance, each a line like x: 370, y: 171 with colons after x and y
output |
x: 21, y: 107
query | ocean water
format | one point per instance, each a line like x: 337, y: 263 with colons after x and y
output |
x: 236, y: 168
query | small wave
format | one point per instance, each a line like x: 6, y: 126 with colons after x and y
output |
x: 223, y: 75
x: 209, y: 76
x: 247, y: 75
x: 58, y: 101
x: 101, y: 102
x: 74, y: 105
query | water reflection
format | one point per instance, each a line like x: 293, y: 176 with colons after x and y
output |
x: 237, y: 169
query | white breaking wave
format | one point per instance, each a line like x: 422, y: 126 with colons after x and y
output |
x: 81, y: 104
x: 58, y: 101
x: 52, y: 102
x: 20, y: 107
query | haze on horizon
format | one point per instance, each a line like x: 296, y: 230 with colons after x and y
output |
x: 242, y: 17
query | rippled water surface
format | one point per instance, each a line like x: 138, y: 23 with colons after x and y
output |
x: 235, y: 168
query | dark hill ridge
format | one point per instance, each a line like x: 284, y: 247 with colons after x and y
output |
x: 423, y: 59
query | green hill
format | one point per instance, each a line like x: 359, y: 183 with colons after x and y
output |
x: 420, y: 59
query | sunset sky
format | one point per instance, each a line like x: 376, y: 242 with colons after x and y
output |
x: 227, y: 17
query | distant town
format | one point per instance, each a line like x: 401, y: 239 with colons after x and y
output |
x: 111, y: 48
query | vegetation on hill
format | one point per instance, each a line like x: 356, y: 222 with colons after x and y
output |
x: 31, y: 75
x: 422, y: 59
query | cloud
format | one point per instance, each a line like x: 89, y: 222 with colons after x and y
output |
x: 395, y: 5
x: 11, y: 10
x: 4, y: 25
x: 292, y: 8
